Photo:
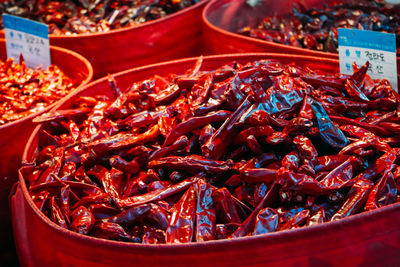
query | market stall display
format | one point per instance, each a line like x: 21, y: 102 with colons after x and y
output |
x: 83, y: 17
x: 120, y: 35
x: 316, y: 28
x: 26, y: 93
x: 219, y: 150
x: 309, y: 28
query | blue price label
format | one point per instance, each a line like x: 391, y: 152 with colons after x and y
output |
x: 29, y: 38
x: 378, y: 48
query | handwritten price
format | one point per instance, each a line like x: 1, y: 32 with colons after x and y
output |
x: 31, y: 39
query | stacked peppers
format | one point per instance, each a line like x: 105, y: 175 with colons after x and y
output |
x: 24, y: 91
x: 88, y: 16
x: 316, y: 28
x: 238, y: 151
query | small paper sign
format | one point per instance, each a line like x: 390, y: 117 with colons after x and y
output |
x: 376, y: 47
x: 29, y: 38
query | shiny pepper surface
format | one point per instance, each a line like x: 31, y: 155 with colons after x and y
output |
x: 245, y: 149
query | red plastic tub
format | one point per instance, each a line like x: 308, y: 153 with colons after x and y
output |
x: 175, y: 36
x: 14, y: 135
x: 366, y: 239
x: 223, y: 18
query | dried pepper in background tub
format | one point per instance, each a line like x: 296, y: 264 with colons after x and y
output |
x: 242, y: 150
x: 88, y: 16
x: 24, y: 91
x: 316, y: 28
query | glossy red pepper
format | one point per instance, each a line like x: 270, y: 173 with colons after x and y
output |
x: 157, y: 194
x: 242, y: 150
x: 82, y: 220
x: 56, y: 214
x: 129, y: 216
x: 113, y: 231
x: 181, y: 227
x: 266, y: 222
x: 357, y: 197
x: 205, y: 212
x: 226, y: 209
x: 384, y: 192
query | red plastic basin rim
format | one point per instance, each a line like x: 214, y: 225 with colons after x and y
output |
x: 292, y: 233
x: 117, y: 31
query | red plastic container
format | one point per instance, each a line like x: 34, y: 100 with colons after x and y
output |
x: 14, y: 135
x: 175, y: 36
x: 223, y: 18
x: 370, y: 238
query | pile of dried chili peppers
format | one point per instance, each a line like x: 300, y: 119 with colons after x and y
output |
x: 238, y: 151
x: 24, y: 91
x: 91, y: 16
x: 316, y: 28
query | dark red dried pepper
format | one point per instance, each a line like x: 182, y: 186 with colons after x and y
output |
x: 316, y: 28
x: 242, y: 150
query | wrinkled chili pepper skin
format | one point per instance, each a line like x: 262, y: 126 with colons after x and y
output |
x: 195, y: 122
x: 383, y: 193
x: 41, y: 199
x: 225, y: 207
x: 129, y: 216
x: 181, y: 227
x: 357, y: 197
x: 305, y: 147
x: 216, y: 144
x: 156, y: 195
x: 205, y: 212
x: 317, y: 218
x: 257, y: 175
x: 328, y: 131
x: 83, y: 17
x: 113, y: 231
x: 191, y: 164
x: 56, y: 214
x: 158, y: 216
x: 266, y: 222
x: 297, y: 219
x: 238, y: 151
x: 82, y: 220
x: 248, y: 225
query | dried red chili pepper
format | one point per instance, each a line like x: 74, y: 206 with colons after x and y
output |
x: 83, y: 17
x: 205, y: 212
x: 82, y: 220
x: 181, y: 227
x: 225, y: 207
x: 316, y: 28
x: 25, y: 91
x: 129, y: 216
x: 278, y: 150
x: 56, y: 214
x: 383, y: 193
x: 357, y: 196
x: 266, y: 222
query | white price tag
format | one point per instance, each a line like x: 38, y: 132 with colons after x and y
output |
x: 376, y: 47
x: 29, y: 38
